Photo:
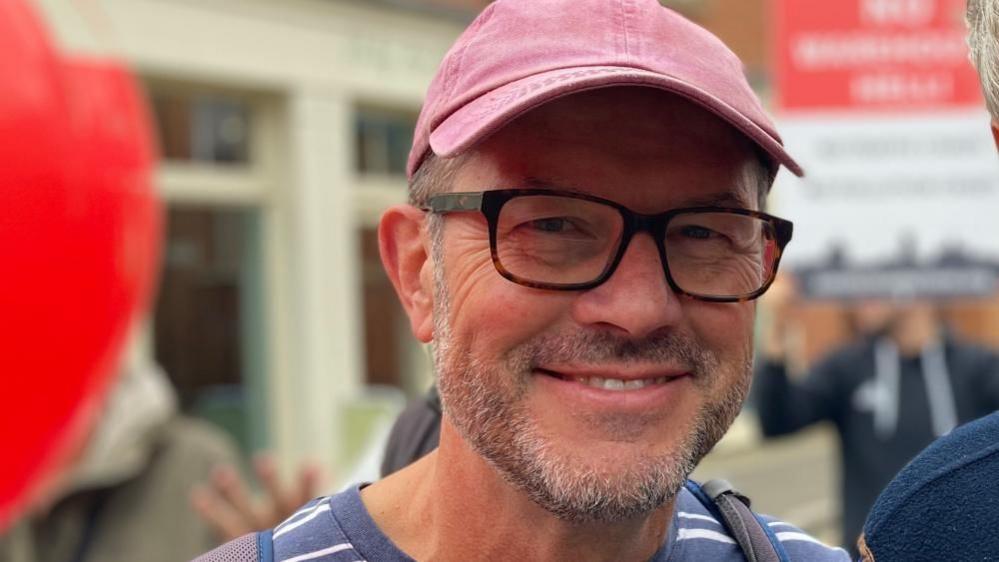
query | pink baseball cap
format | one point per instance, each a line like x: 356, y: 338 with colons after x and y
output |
x: 520, y: 54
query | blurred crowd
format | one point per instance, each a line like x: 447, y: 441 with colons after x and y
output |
x: 902, y: 379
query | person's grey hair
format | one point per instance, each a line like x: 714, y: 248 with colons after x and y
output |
x: 435, y: 175
x: 762, y: 173
x: 983, y: 40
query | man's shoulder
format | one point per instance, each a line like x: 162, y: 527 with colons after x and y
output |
x: 312, y: 531
x: 334, y: 528
x: 799, y: 545
x: 326, y: 526
x: 700, y: 535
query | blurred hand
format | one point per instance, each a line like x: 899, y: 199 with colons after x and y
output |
x: 227, y: 505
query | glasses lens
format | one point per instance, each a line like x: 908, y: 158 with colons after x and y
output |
x: 720, y: 254
x: 556, y: 240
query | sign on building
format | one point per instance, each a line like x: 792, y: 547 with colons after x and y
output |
x: 879, y: 103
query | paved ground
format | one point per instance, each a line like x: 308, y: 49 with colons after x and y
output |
x: 793, y: 478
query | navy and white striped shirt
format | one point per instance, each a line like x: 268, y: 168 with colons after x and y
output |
x: 339, y: 529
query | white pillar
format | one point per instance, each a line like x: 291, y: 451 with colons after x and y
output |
x: 323, y: 359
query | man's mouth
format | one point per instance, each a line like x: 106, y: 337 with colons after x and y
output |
x: 611, y: 383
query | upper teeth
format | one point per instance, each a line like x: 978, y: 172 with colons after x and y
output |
x: 618, y: 384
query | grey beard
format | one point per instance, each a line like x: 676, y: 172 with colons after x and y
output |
x: 486, y: 406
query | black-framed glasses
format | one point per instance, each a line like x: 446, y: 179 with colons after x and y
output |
x: 568, y: 241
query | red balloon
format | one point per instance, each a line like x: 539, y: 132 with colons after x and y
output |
x: 80, y: 229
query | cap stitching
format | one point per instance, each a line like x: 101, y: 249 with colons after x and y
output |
x: 627, y: 12
x: 621, y: 38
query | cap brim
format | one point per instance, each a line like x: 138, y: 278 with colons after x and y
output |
x: 485, y: 115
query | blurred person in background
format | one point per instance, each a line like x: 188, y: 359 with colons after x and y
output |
x: 128, y: 493
x: 944, y: 505
x: 125, y: 496
x: 983, y: 40
x: 902, y: 382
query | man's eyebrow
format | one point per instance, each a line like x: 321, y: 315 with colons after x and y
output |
x: 546, y: 183
x: 723, y: 199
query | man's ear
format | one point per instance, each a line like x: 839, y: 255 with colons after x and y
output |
x: 995, y: 132
x: 404, y: 245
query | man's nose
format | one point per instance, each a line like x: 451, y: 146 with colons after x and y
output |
x: 636, y: 299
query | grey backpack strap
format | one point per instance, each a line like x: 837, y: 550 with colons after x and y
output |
x: 252, y: 547
x: 747, y: 530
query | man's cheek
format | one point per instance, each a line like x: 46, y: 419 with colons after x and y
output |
x: 470, y: 285
x: 721, y: 324
x: 500, y: 320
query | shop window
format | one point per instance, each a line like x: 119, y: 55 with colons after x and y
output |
x: 382, y: 140
x: 207, y: 325
x: 208, y: 128
x: 384, y: 318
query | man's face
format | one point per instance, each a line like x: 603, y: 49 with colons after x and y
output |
x: 875, y: 317
x: 521, y: 370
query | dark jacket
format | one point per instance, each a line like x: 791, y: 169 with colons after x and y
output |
x: 415, y: 433
x: 843, y: 388
x: 947, y: 497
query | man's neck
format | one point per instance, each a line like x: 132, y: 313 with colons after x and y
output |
x: 453, y: 505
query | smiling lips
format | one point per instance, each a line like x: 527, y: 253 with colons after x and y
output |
x: 615, y: 384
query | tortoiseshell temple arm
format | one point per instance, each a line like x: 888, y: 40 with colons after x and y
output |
x: 455, y: 202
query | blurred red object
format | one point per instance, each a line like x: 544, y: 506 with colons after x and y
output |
x: 79, y: 245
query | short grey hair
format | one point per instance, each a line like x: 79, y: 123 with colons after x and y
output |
x: 435, y: 175
x: 983, y: 40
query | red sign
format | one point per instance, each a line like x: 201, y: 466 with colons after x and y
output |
x: 884, y: 55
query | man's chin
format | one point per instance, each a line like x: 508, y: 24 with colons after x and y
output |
x: 616, y: 484
x: 583, y: 471
x: 595, y: 497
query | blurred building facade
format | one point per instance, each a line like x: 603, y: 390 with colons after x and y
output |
x: 283, y: 130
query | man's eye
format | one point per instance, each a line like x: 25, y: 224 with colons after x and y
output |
x: 698, y: 232
x: 554, y: 224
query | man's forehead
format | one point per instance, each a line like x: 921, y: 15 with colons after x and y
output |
x: 599, y: 139
x: 739, y: 195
